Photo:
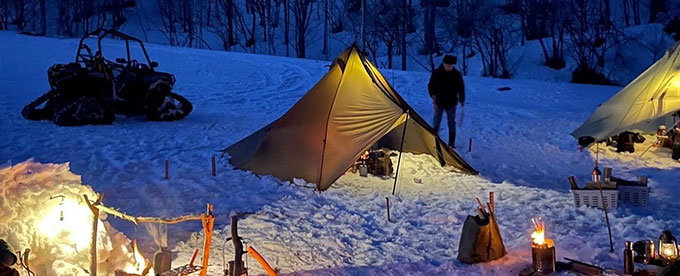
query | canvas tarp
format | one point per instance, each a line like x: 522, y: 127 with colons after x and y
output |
x: 350, y: 109
x: 647, y: 102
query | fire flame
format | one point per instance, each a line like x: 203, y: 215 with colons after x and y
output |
x: 142, y: 266
x: 538, y: 236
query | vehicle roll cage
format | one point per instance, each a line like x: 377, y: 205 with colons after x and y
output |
x: 100, y: 34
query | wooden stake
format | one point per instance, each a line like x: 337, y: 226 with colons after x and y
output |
x: 492, y: 207
x: 481, y: 206
x: 238, y: 247
x: 387, y: 199
x: 214, y: 169
x: 208, y: 220
x: 93, y: 241
x: 193, y: 258
x: 470, y: 145
x: 262, y: 261
x: 167, y: 175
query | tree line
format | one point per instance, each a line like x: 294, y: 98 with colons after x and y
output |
x: 588, y: 31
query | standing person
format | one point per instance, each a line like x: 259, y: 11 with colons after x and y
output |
x: 446, y: 90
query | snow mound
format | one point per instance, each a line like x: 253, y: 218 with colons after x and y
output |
x: 42, y: 208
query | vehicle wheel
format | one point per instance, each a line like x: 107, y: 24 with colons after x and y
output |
x: 172, y: 107
x: 83, y: 111
x: 32, y: 112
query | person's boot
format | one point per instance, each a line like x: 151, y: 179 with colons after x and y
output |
x: 452, y: 139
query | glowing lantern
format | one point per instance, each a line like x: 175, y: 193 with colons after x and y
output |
x: 68, y: 224
x: 61, y: 206
x: 596, y: 173
x: 668, y: 246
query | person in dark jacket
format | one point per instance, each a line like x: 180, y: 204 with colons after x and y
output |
x: 446, y: 90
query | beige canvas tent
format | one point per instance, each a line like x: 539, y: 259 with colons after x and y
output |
x: 648, y: 101
x: 350, y: 109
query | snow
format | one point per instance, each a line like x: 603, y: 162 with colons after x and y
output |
x: 42, y: 208
x: 520, y: 144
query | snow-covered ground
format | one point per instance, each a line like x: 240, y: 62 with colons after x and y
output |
x: 521, y: 146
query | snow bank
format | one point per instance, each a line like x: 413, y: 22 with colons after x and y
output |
x: 42, y: 208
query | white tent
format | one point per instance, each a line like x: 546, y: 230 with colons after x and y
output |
x: 650, y: 100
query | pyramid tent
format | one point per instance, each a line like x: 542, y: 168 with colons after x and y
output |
x: 350, y: 109
x: 651, y: 99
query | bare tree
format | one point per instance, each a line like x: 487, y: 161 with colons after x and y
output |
x: 406, y: 27
x: 656, y: 7
x: 589, y: 42
x: 286, y: 30
x: 166, y: 9
x: 77, y: 17
x: 430, y: 24
x: 223, y: 23
x: 302, y: 12
x: 248, y: 31
x: 494, y: 34
x: 635, y: 6
x: 552, y: 42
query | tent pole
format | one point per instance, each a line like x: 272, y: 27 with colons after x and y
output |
x: 401, y: 148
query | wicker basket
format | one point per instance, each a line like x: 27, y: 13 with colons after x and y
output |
x: 592, y: 198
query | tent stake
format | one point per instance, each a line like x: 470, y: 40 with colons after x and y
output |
x: 401, y: 148
x: 387, y: 199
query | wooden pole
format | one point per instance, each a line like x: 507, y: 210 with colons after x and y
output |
x: 470, y: 145
x: 606, y: 217
x: 492, y: 205
x: 262, y: 261
x: 214, y: 169
x: 387, y: 199
x: 238, y: 247
x: 401, y: 148
x: 208, y: 220
x: 93, y: 241
x: 167, y: 175
x: 193, y: 258
x: 137, y: 220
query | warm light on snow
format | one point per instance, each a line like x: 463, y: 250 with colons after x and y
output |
x: 69, y: 224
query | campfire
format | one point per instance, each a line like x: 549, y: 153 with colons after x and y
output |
x: 542, y: 249
x: 142, y: 266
